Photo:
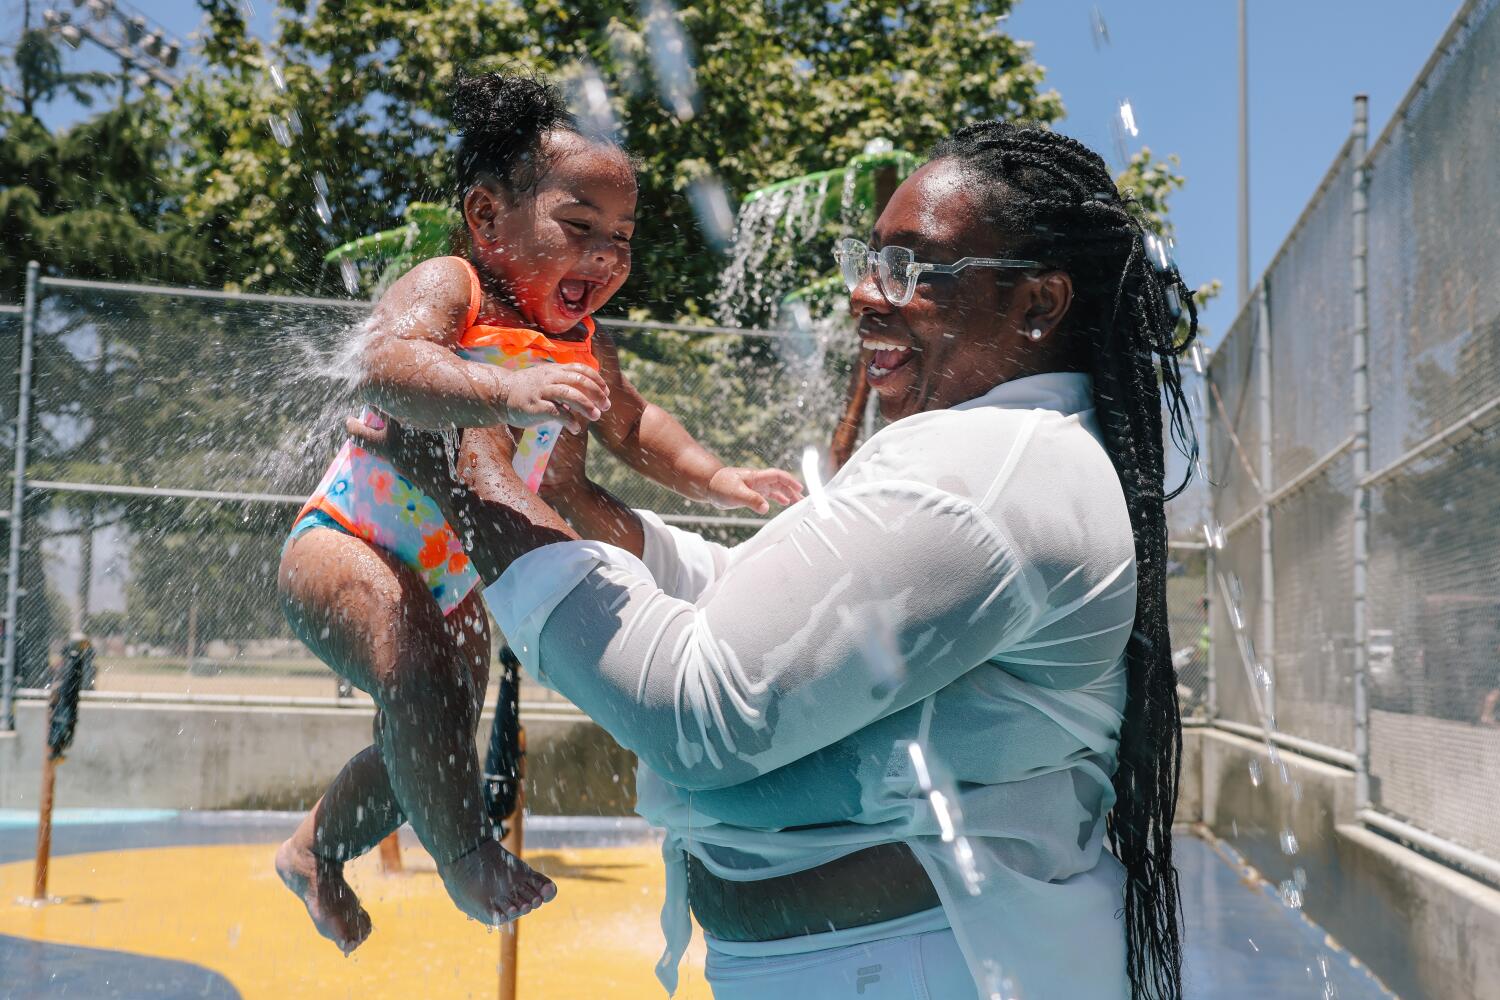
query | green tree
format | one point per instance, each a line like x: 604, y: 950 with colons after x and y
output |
x: 781, y: 90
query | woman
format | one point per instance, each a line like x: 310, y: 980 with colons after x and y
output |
x: 890, y: 735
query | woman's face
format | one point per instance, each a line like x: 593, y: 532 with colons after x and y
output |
x: 562, y: 249
x: 962, y: 334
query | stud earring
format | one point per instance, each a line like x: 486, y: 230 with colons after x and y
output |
x: 1036, y: 333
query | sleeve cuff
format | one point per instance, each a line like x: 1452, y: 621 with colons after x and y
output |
x: 682, y: 563
x: 534, y: 585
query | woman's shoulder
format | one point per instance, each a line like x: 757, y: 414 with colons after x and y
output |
x: 970, y: 452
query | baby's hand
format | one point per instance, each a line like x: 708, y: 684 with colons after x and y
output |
x: 753, y: 488
x: 574, y: 394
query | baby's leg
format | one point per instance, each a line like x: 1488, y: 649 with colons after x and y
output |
x: 371, y: 618
x: 356, y: 812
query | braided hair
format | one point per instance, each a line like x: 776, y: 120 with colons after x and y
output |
x: 1058, y: 198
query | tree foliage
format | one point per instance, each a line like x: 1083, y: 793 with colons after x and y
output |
x: 782, y: 89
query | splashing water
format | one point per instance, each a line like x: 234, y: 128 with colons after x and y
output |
x: 1098, y: 28
x: 711, y: 206
x: 588, y: 99
x: 671, y: 59
x: 280, y: 130
x: 941, y: 792
x: 349, y: 271
x: 320, y: 198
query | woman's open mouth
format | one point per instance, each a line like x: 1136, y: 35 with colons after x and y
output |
x: 573, y: 295
x: 887, y: 359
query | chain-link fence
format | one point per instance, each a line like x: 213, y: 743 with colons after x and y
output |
x: 1302, y: 502
x: 175, y: 433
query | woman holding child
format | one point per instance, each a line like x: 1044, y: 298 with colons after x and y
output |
x: 918, y: 736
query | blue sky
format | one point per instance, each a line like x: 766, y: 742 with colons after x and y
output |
x: 1175, y: 61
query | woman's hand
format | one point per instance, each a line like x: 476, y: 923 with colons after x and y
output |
x: 753, y: 488
x: 573, y: 393
x: 420, y: 456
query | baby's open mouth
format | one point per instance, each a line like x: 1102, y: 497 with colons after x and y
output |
x: 573, y: 295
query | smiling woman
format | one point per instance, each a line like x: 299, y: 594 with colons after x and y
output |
x: 924, y: 719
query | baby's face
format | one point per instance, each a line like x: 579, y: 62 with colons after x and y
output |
x: 562, y: 248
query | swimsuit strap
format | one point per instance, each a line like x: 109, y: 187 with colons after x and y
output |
x: 514, y: 340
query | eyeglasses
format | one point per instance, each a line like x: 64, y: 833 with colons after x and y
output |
x: 897, y: 271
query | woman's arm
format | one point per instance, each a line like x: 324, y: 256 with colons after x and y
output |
x: 840, y: 613
x: 849, y: 608
x: 410, y: 369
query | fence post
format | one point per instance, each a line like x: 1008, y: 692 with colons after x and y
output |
x: 1361, y: 454
x: 17, y: 502
x: 1267, y: 561
x: 1210, y: 535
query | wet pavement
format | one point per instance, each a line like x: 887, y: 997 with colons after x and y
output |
x: 1241, y: 942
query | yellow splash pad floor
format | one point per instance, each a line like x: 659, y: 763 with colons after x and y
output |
x: 222, y: 908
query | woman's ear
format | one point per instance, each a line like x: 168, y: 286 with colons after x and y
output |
x: 1048, y: 296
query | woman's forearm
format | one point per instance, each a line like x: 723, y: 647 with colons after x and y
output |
x: 597, y: 514
x: 500, y: 520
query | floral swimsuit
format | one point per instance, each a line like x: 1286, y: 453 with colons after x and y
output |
x: 363, y: 495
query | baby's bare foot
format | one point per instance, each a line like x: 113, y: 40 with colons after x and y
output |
x: 332, y: 904
x: 494, y: 886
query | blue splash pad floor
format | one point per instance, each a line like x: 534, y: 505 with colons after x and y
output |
x: 1241, y: 942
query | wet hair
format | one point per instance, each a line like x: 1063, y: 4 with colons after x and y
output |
x: 501, y: 120
x: 1057, y: 202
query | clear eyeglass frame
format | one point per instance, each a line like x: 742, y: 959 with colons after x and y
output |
x: 897, y: 271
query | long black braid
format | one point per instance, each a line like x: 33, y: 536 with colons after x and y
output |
x: 1057, y: 198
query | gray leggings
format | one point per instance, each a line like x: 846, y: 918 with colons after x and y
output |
x: 914, y: 967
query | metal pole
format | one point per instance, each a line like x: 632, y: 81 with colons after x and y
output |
x: 17, y: 500
x: 1210, y: 562
x: 1361, y: 452
x: 1244, y: 262
x: 1267, y: 563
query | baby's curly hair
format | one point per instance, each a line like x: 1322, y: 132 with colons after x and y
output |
x: 501, y: 120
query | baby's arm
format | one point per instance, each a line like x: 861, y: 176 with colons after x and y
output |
x: 652, y: 442
x: 410, y: 368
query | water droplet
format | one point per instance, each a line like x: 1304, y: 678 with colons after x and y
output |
x: 1098, y: 28
x: 671, y: 59
x: 1255, y: 775
x: 588, y: 99
x: 1291, y: 895
x: 280, y: 131
x: 320, y: 199
x: 711, y: 206
x: 1127, y: 119
x: 1288, y: 842
x: 277, y: 78
x: 350, y: 272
